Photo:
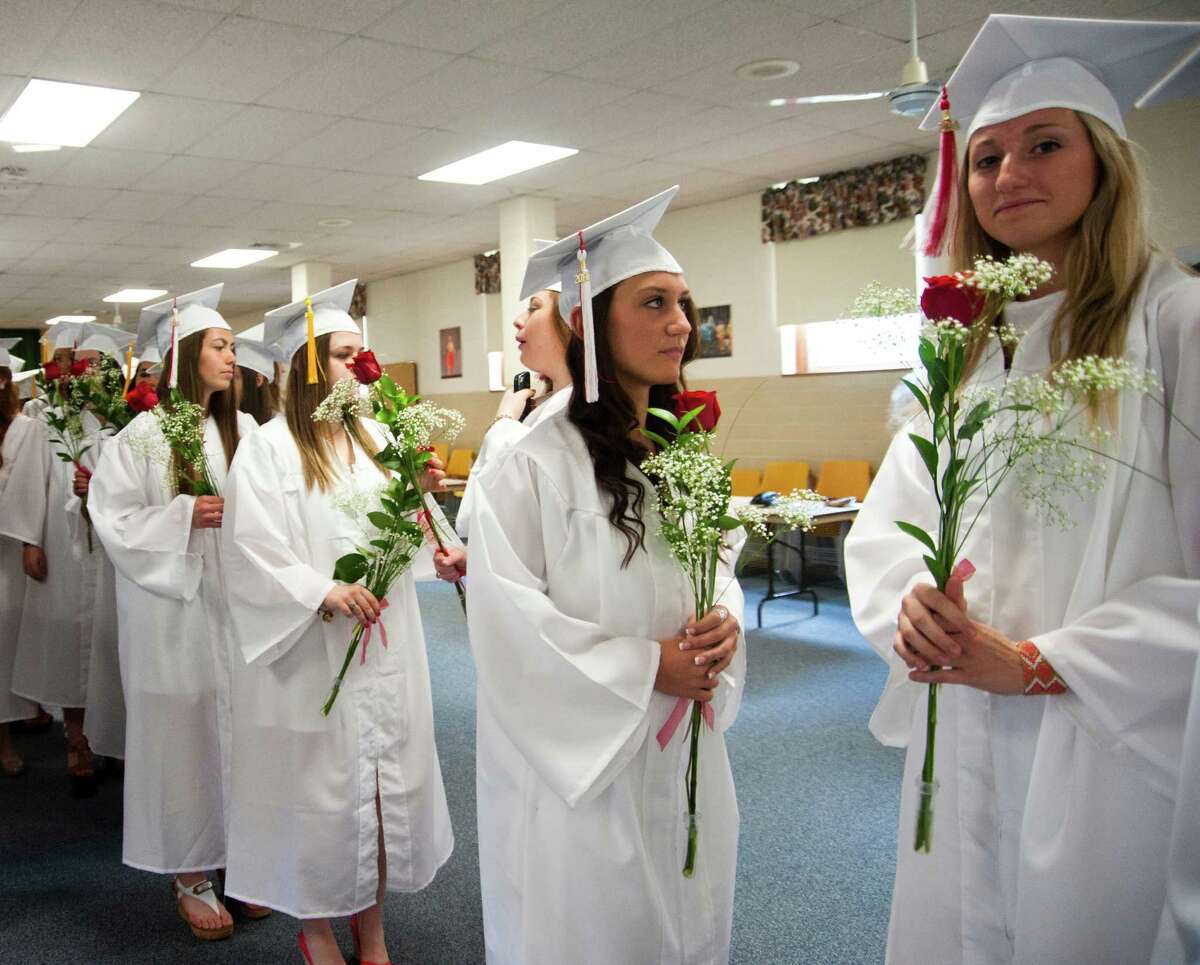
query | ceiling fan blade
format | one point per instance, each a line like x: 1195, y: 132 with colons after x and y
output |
x: 826, y: 98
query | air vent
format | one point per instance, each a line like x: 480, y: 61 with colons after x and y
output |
x: 767, y: 69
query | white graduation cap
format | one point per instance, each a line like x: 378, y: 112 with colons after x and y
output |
x: 1017, y: 65
x: 15, y: 363
x: 542, y: 243
x: 252, y: 354
x: 24, y: 382
x: 1182, y: 80
x: 6, y: 358
x: 290, y: 327
x: 64, y: 335
x: 174, y: 319
x: 593, y: 260
x: 107, y: 340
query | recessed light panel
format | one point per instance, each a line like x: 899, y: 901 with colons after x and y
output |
x: 135, y: 296
x: 503, y: 161
x: 53, y: 112
x: 235, y: 258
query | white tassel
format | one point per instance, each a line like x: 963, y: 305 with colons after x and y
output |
x: 174, y: 380
x: 366, y: 340
x: 591, y: 374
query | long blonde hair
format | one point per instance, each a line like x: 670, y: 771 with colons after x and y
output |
x: 1105, y: 262
x: 312, y: 439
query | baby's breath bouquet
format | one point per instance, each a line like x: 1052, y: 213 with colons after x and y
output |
x: 1036, y: 426
x: 182, y: 426
x: 397, y: 512
x: 64, y: 419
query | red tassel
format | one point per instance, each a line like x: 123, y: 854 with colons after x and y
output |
x: 942, y: 213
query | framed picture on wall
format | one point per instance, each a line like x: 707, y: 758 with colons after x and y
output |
x: 450, y: 352
x: 716, y: 332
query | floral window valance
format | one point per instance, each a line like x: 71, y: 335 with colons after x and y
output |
x: 487, y: 274
x: 358, y: 301
x: 871, y: 195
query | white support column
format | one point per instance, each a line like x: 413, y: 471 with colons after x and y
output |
x: 310, y: 277
x: 521, y: 221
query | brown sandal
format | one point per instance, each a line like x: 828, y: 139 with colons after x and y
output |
x: 81, y: 768
x: 202, y: 891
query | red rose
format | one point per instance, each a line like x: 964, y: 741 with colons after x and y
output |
x: 142, y: 397
x: 366, y: 367
x: 708, y: 416
x: 52, y: 371
x: 946, y: 298
x: 80, y: 367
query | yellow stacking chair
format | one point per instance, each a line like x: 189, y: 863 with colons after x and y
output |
x: 783, y: 477
x: 746, y: 482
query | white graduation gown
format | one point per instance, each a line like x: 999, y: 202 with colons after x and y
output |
x: 303, y: 828
x: 53, y: 648
x: 582, y: 829
x: 22, y: 441
x: 104, y: 716
x: 1052, y: 818
x: 503, y: 435
x: 174, y: 641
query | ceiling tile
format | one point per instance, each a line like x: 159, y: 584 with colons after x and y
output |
x: 426, y: 151
x: 356, y: 73
x: 354, y: 188
x: 460, y: 26
x: 893, y: 19
x: 31, y: 229
x: 183, y: 174
x: 822, y: 156
x: 260, y: 133
x: 465, y: 84
x: 541, y: 111
x: 29, y: 27
x: 346, y: 142
x: 138, y: 206
x: 269, y: 182
x: 37, y: 167
x: 124, y: 43
x: 94, y: 231
x: 781, y: 135
x: 159, y: 122
x: 210, y: 211
x: 102, y: 168
x: 689, y: 131
x: 242, y: 59
x: 344, y: 16
x: 303, y: 217
x: 61, y: 201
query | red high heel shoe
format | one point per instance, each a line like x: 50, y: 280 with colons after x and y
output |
x: 358, y: 944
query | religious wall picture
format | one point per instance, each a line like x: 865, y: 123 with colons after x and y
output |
x: 716, y: 332
x: 450, y: 350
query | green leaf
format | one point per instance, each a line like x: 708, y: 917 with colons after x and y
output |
x: 688, y: 417
x: 350, y: 568
x: 665, y: 416
x: 380, y: 520
x: 729, y: 522
x: 936, y: 569
x: 929, y: 358
x: 919, y: 534
x: 655, y: 438
x: 381, y: 544
x: 928, y: 453
x: 918, y: 394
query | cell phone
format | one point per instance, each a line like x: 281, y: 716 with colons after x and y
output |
x: 520, y: 384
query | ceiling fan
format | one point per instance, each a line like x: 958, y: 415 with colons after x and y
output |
x: 911, y: 98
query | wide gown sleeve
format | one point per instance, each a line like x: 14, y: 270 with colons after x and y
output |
x: 1129, y: 662
x: 501, y: 436
x: 274, y: 593
x: 149, y: 542
x: 572, y: 697
x: 23, y: 501
x: 882, y: 565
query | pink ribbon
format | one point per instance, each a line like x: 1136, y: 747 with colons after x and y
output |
x: 667, y: 731
x: 362, y: 654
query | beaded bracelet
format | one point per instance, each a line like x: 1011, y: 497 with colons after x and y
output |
x: 1040, y: 677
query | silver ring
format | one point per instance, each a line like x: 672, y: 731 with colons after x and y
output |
x: 724, y: 613
x: 353, y: 605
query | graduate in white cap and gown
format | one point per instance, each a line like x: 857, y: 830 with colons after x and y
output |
x: 584, y: 639
x: 42, y: 509
x: 1066, y: 672
x: 258, y: 376
x: 174, y: 629
x: 15, y: 431
x: 543, y: 338
x: 104, y: 704
x: 328, y: 812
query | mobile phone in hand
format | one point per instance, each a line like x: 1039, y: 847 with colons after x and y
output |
x: 520, y: 384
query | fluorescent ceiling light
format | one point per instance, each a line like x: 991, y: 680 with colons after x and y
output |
x: 135, y: 295
x: 824, y: 99
x: 35, y: 148
x: 235, y: 258
x: 508, y: 159
x: 70, y: 318
x: 52, y: 112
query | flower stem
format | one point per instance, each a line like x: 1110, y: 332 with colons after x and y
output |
x: 337, y: 683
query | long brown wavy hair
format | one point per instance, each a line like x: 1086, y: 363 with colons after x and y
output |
x: 607, y: 423
x: 1105, y: 263
x: 259, y: 401
x: 10, y: 404
x: 220, y: 404
x: 312, y: 438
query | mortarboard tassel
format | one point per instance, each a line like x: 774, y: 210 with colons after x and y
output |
x: 943, y: 211
x: 174, y: 380
x: 128, y: 369
x: 312, y: 342
x: 591, y: 375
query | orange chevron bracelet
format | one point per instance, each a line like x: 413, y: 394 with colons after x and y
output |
x: 1040, y: 677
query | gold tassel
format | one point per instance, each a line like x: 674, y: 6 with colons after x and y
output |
x: 312, y: 342
x: 128, y: 369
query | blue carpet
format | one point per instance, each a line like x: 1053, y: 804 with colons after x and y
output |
x: 818, y: 800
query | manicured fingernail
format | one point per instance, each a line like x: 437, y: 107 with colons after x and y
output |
x: 711, y: 675
x: 699, y: 661
x: 689, y: 632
